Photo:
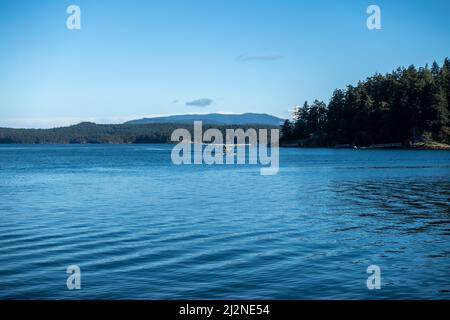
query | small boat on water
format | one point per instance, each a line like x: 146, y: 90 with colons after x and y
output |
x: 227, y: 148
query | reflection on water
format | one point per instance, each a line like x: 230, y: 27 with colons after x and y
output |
x: 140, y: 227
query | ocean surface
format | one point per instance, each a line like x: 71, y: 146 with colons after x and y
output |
x: 140, y: 227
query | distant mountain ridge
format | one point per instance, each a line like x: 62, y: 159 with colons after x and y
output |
x: 215, y: 118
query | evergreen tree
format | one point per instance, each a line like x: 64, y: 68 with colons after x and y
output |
x: 301, y: 121
x: 287, y: 131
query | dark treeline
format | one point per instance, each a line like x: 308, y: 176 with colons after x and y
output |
x: 405, y: 106
x: 88, y: 132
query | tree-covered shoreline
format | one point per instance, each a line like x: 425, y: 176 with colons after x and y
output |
x: 408, y: 106
x: 91, y: 133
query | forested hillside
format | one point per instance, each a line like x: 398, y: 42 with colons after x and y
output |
x: 88, y: 132
x: 405, y: 106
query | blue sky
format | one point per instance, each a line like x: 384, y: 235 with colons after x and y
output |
x: 142, y: 58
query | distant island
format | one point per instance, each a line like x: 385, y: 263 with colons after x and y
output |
x: 215, y: 119
x: 406, y: 108
x: 148, y: 130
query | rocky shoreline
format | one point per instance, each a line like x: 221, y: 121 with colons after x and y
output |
x: 417, y: 146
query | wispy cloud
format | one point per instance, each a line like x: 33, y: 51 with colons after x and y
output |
x: 258, y: 57
x: 204, y: 102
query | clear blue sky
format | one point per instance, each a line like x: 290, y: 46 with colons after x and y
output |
x: 139, y: 58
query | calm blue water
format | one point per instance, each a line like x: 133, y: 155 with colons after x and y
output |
x: 142, y: 228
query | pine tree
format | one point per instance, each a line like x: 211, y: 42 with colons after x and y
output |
x: 301, y: 121
x: 287, y: 131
